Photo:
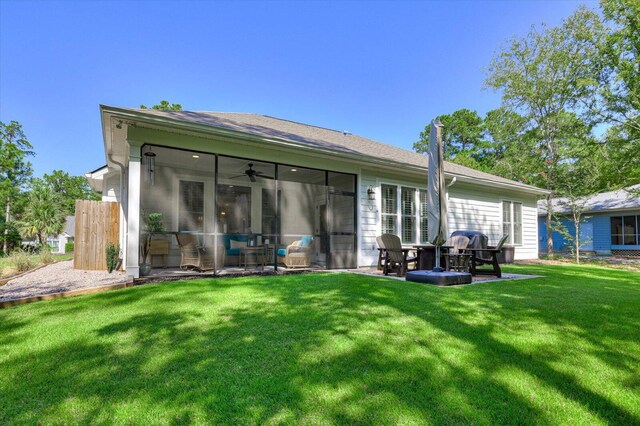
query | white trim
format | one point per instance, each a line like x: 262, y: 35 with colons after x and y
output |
x: 624, y: 234
x: 208, y: 182
x: 511, y: 239
x: 399, y: 184
x: 132, y: 264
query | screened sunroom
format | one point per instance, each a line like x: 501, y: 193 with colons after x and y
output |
x: 222, y: 213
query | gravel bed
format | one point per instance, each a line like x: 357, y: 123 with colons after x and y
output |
x: 56, y: 278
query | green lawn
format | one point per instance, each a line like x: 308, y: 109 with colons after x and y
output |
x: 331, y: 348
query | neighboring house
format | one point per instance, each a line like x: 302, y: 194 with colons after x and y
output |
x: 610, y: 224
x: 58, y: 242
x: 232, y: 178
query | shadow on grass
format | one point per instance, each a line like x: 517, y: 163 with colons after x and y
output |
x: 329, y: 348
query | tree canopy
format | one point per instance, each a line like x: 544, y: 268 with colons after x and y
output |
x: 463, y: 137
x: 43, y: 215
x: 15, y: 171
x: 69, y: 189
x: 164, y: 106
x: 544, y: 76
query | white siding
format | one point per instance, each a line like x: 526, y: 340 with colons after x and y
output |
x: 471, y: 207
x: 369, y: 221
x: 111, y: 188
x: 529, y: 249
x: 480, y: 209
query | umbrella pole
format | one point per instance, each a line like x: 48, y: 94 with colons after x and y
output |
x: 437, y: 267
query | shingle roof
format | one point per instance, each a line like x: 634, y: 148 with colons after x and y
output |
x: 314, y: 136
x: 70, y: 226
x: 621, y: 199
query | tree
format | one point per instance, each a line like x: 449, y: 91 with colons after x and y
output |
x: 10, y: 235
x: 43, y: 215
x: 618, y: 64
x: 165, y: 106
x: 462, y: 136
x: 513, y: 152
x: 69, y: 188
x: 14, y: 170
x: 615, y: 86
x: 577, y: 182
x: 543, y: 76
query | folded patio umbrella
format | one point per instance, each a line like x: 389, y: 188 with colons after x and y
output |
x: 436, y: 195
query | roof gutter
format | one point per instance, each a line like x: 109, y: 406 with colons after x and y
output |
x: 360, y: 158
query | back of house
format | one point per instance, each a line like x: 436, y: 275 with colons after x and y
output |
x: 241, y: 180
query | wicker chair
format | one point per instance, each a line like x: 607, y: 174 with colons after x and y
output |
x: 457, y: 259
x: 396, y: 258
x: 297, y: 254
x: 192, y: 255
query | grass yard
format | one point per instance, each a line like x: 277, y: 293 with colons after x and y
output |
x: 331, y: 348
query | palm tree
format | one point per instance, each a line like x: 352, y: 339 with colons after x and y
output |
x: 43, y: 216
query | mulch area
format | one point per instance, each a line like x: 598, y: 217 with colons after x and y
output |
x: 57, y: 278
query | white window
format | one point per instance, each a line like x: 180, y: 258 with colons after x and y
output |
x: 191, y: 206
x: 404, y: 213
x: 408, y: 211
x: 389, y: 209
x: 424, y: 219
x: 512, y: 221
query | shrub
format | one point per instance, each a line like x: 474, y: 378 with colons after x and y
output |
x: 45, y: 255
x: 68, y: 247
x: 113, y: 251
x: 21, y: 261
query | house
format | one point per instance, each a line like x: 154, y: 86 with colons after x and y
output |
x: 234, y: 178
x: 58, y: 242
x: 610, y: 224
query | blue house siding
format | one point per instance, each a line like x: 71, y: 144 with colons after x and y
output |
x: 601, y: 232
x: 559, y: 242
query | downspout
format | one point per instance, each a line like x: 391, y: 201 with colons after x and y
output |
x: 453, y: 181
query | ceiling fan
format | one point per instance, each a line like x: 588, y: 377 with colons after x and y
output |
x: 253, y: 174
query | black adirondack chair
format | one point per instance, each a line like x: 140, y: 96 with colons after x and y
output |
x: 487, y: 256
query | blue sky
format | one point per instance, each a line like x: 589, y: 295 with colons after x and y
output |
x: 377, y: 69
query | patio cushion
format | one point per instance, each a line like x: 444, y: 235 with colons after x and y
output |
x: 305, y: 241
x: 282, y: 252
x: 237, y: 237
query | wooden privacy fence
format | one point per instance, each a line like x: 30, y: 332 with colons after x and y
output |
x: 97, y: 224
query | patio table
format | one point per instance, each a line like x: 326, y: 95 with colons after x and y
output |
x: 258, y: 252
x: 427, y: 256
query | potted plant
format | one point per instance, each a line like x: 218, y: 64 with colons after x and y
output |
x: 152, y: 223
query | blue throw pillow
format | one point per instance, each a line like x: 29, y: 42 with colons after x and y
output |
x: 306, y: 241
